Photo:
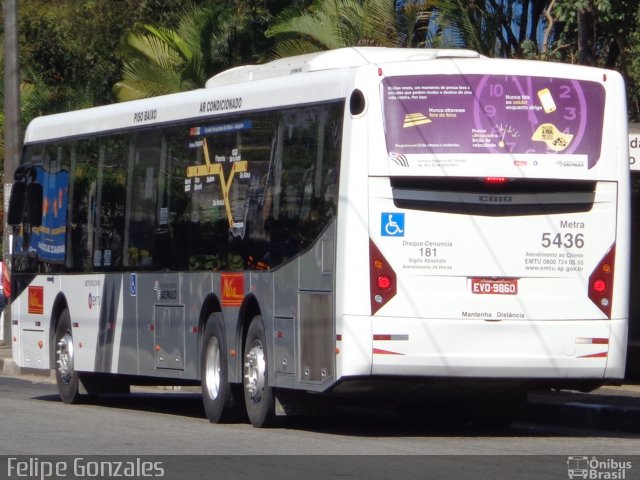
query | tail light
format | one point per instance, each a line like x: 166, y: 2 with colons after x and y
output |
x: 601, y: 282
x: 495, y: 180
x: 382, y: 279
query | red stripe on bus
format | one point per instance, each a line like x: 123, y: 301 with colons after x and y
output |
x: 379, y: 351
x: 595, y: 355
x: 382, y: 337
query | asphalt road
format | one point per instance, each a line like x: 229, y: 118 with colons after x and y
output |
x: 168, y: 426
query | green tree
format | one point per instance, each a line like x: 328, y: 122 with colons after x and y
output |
x: 496, y: 28
x: 603, y: 33
x: 330, y: 24
x: 209, y: 37
x: 74, y: 45
x: 162, y: 61
x: 633, y: 82
x: 69, y: 50
x: 467, y: 23
x: 492, y: 27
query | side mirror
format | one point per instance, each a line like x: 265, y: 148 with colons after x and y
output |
x: 34, y: 204
x: 16, y: 204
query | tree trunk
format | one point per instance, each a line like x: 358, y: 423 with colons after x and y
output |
x: 587, y: 35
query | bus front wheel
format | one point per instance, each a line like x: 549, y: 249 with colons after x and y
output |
x: 67, y: 378
x: 258, y: 395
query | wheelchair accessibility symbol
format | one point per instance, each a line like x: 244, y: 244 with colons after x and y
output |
x: 392, y: 224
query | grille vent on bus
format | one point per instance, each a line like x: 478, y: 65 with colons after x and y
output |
x: 476, y: 196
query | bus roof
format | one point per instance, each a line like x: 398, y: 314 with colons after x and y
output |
x: 331, y: 60
x: 231, y: 88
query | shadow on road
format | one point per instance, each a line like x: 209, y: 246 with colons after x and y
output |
x: 168, y: 403
x: 353, y: 420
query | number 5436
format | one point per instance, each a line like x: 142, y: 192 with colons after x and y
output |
x: 560, y: 240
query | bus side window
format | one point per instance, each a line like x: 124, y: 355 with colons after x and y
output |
x: 82, y: 189
x: 51, y: 243
x: 142, y: 194
x: 171, y: 235
x: 109, y: 241
x: 175, y: 200
x: 307, y: 180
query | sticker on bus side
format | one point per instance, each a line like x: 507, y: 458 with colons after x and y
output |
x: 36, y: 300
x: 232, y: 287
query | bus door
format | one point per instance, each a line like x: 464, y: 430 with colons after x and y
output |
x: 154, y: 295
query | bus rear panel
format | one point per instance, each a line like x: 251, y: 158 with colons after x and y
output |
x: 497, y: 225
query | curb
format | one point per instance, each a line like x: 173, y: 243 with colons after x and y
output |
x: 585, y: 416
x: 8, y: 367
x: 585, y: 411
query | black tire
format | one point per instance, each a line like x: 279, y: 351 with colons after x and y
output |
x: 219, y: 404
x: 67, y: 378
x: 258, y: 395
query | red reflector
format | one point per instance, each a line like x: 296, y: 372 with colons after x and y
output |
x: 384, y: 282
x: 599, y: 285
x: 382, y: 279
x: 601, y: 282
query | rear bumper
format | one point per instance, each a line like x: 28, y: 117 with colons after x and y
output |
x: 474, y: 348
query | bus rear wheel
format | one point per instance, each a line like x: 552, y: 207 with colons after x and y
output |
x: 217, y: 395
x: 67, y: 379
x: 258, y: 395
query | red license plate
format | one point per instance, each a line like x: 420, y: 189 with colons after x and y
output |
x: 494, y: 286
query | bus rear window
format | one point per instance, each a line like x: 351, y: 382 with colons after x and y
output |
x: 477, y: 196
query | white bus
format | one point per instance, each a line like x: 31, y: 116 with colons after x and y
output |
x: 406, y: 225
x: 633, y: 345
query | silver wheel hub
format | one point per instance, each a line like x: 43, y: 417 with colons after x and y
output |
x: 64, y: 354
x: 254, y: 372
x: 212, y: 368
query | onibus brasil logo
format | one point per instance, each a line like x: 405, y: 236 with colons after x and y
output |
x: 595, y: 468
